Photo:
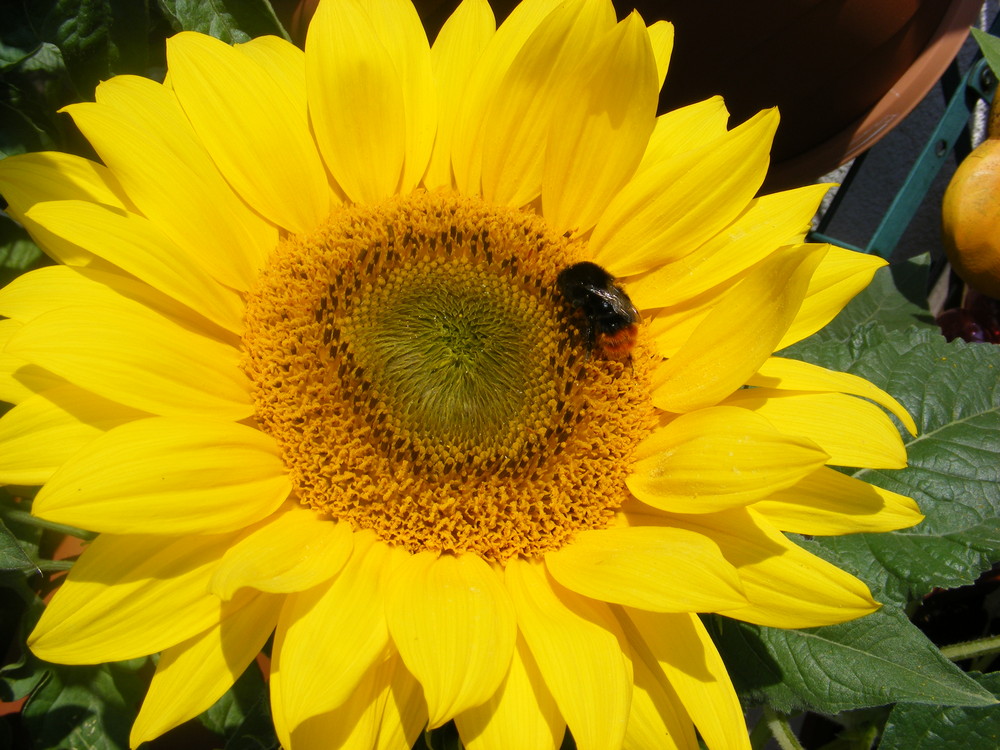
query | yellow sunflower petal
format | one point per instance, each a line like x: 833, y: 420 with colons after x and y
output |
x: 839, y: 278
x: 661, y: 38
x: 46, y: 429
x: 683, y: 129
x: 194, y: 674
x: 166, y: 475
x: 516, y: 129
x: 356, y: 102
x: 454, y: 54
x: 606, y: 116
x: 129, y: 596
x: 665, y: 570
x: 453, y: 623
x: 852, y: 431
x: 491, y: 66
x: 656, y: 718
x: 827, y: 503
x: 136, y: 245
x: 385, y: 712
x: 139, y: 359
x: 576, y: 644
x: 256, y: 133
x: 666, y: 212
x: 768, y: 223
x: 744, y: 329
x: 293, y: 551
x: 20, y: 381
x: 346, y: 616
x: 787, y: 586
x: 27, y: 179
x: 522, y: 714
x: 139, y: 130
x: 718, y: 458
x: 684, y: 651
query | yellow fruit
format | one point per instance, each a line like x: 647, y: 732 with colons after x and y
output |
x: 970, y: 214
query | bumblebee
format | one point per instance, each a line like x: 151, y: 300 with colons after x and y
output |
x: 607, y: 318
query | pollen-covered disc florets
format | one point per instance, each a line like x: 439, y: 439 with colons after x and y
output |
x: 423, y: 376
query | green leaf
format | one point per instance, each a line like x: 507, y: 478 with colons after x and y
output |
x: 18, y: 252
x: 912, y: 727
x: 12, y: 554
x: 231, y: 21
x: 879, y: 659
x: 990, y: 45
x: 243, y: 714
x: 81, y: 29
x: 953, y: 392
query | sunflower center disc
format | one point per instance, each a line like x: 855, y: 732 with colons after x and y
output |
x: 424, y: 378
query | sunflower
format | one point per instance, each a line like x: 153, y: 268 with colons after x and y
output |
x: 319, y: 359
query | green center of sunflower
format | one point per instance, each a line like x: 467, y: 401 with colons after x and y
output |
x: 424, y: 378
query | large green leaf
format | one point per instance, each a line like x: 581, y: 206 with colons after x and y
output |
x: 231, y: 21
x: 243, y: 714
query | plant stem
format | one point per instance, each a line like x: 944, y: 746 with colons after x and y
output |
x: 972, y: 649
x: 781, y: 730
x: 26, y: 518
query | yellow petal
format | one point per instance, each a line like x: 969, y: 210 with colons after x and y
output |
x: 129, y: 596
x: 793, y: 375
x: 842, y: 275
x: 293, y: 551
x: 768, y: 223
x: 607, y: 112
x: 45, y: 430
x: 656, y: 718
x: 454, y: 54
x: 139, y: 359
x: 194, y: 674
x: 787, y: 586
x: 683, y: 129
x: 691, y: 664
x: 737, y: 335
x: 491, y: 66
x: 136, y: 245
x: 256, y: 133
x: 660, y: 569
x: 665, y: 213
x: 347, y: 617
x: 356, y: 102
x: 717, y: 458
x: 20, y: 381
x: 853, y: 432
x: 453, y: 623
x: 167, y: 475
x: 517, y: 125
x: 661, y: 38
x: 385, y: 712
x: 828, y: 503
x: 522, y: 714
x: 576, y: 644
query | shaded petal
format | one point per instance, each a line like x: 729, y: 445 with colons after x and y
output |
x: 453, y: 623
x: 607, y: 113
x: 656, y: 719
x: 356, y: 102
x: 522, y: 714
x: 491, y: 66
x: 853, y: 432
x: 136, y: 245
x: 666, y: 212
x: 744, y: 329
x: 517, y: 125
x: 691, y: 664
x: 717, y: 458
x: 256, y: 133
x: 140, y: 132
x: 139, y: 359
x: 787, y: 586
x: 191, y: 676
x: 294, y: 551
x: 129, y: 596
x: 768, y: 223
x: 166, y: 475
x: 576, y: 644
x: 842, y: 274
x: 454, y: 54
x: 45, y: 430
x: 19, y: 380
x: 385, y: 712
x: 660, y: 569
x: 346, y: 616
x: 828, y: 503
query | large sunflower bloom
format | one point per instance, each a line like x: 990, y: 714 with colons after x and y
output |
x: 306, y: 367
